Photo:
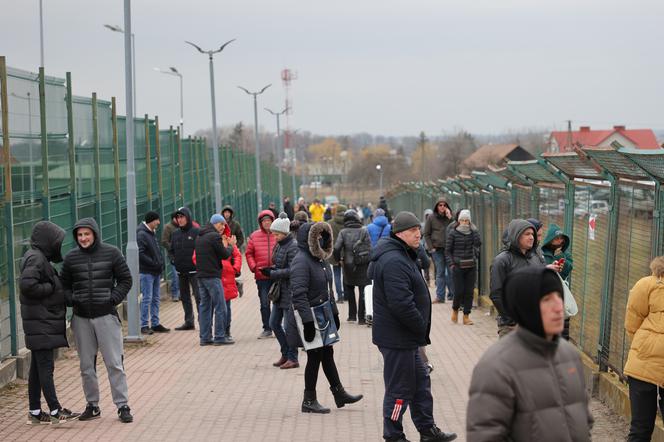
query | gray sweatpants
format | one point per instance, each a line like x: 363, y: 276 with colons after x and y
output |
x: 104, y: 334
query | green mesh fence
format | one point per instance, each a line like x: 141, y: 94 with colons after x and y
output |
x: 46, y: 186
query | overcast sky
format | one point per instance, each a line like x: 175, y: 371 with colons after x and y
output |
x: 379, y: 66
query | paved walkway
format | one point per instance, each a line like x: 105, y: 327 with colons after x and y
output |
x: 181, y: 391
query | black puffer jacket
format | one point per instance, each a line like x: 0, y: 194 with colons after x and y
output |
x: 311, y: 276
x: 42, y: 298
x: 508, y: 260
x: 352, y: 232
x: 95, y: 279
x: 183, y: 243
x: 236, y: 228
x: 209, y: 252
x: 401, y: 300
x: 150, y: 259
x: 282, y: 257
x: 462, y: 246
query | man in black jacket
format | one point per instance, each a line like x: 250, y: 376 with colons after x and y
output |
x: 211, y: 248
x: 150, y: 265
x: 183, y: 243
x: 402, y: 321
x: 96, y: 279
x: 435, y: 237
x: 43, y: 313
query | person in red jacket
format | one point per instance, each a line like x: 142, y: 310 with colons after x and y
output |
x: 259, y: 255
x: 230, y: 270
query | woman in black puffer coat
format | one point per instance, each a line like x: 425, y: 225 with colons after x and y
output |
x: 462, y: 252
x: 355, y: 275
x: 43, y: 313
x: 311, y: 281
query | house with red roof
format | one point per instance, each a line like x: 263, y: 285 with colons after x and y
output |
x: 619, y: 136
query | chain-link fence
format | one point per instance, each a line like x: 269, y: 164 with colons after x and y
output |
x: 609, y: 203
x: 64, y: 158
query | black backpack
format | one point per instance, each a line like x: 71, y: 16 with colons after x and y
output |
x: 362, y: 249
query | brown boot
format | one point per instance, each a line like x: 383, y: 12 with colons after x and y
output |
x: 455, y: 316
x: 466, y: 320
x: 281, y: 361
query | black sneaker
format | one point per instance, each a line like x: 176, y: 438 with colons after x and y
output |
x: 186, y: 326
x: 435, y: 434
x: 39, y: 419
x: 64, y: 415
x: 91, y: 412
x: 160, y: 329
x: 146, y: 331
x: 125, y: 415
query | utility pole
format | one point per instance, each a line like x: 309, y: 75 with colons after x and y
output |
x: 280, y: 153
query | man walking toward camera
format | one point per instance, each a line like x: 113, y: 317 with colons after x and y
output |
x: 150, y: 265
x: 402, y: 322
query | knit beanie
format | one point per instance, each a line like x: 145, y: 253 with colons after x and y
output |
x: 524, y: 289
x: 281, y: 224
x: 464, y: 214
x: 379, y: 212
x: 404, y: 221
x: 216, y: 218
x: 151, y: 216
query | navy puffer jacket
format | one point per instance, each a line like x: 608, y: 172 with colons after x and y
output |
x: 283, y: 256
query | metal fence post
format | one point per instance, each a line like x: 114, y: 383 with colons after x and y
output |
x: 116, y: 173
x: 97, y: 160
x: 160, y: 178
x: 173, y: 155
x: 148, y: 161
x: 9, y: 212
x: 180, y: 167
x: 46, y: 211
x: 73, y: 199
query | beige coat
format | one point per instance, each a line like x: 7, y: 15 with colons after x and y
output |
x: 644, y: 323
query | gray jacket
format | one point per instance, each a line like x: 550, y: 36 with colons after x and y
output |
x: 507, y: 261
x: 525, y: 388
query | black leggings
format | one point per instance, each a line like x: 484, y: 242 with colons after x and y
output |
x: 324, y: 355
x: 464, y: 287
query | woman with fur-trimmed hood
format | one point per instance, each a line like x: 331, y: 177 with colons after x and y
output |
x: 311, y: 279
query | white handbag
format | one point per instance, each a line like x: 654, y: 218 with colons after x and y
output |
x: 571, y: 309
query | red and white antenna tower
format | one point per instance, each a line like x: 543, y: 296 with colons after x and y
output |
x: 287, y: 76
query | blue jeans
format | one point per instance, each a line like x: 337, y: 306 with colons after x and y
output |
x: 150, y: 301
x: 211, y: 293
x: 337, y: 282
x: 278, y: 316
x: 443, y: 275
x: 263, y: 288
x: 175, y: 284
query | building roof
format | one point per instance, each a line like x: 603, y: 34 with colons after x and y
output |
x: 642, y: 138
x: 495, y: 154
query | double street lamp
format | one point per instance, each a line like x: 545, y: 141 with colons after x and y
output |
x: 280, y: 153
x: 259, y: 192
x: 215, y: 145
x: 173, y: 71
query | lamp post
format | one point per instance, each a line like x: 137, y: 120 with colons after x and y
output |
x: 379, y: 168
x: 280, y: 153
x: 215, y: 145
x: 293, y: 153
x: 133, y: 60
x: 259, y: 193
x: 41, y: 32
x: 173, y: 71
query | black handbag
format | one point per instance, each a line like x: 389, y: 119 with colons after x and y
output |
x: 275, y: 291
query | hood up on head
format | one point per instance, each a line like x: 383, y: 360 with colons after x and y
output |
x: 553, y: 232
x: 441, y: 200
x: 229, y: 208
x: 524, y: 288
x: 352, y: 219
x: 316, y: 239
x: 91, y: 224
x: 48, y: 237
x: 263, y: 213
x: 514, y: 230
x: 187, y: 214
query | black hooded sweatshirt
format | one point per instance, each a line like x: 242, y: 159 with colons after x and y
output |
x: 183, y: 243
x: 95, y: 279
x: 42, y: 298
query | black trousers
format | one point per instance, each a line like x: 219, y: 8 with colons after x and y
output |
x: 407, y: 384
x: 40, y: 380
x: 644, y: 398
x: 464, y: 286
x: 353, y: 311
x: 324, y: 356
x: 187, y: 280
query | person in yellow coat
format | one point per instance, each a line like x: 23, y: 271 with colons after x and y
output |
x: 317, y: 210
x: 644, y: 323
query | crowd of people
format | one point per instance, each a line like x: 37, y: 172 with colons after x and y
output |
x: 529, y: 385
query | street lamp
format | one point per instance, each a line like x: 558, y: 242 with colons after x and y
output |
x: 133, y: 59
x: 176, y: 73
x: 215, y: 145
x: 28, y: 98
x: 379, y: 168
x: 259, y: 192
x: 41, y: 32
x: 293, y: 159
x: 280, y: 153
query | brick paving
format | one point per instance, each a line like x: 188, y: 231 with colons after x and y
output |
x: 181, y: 391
